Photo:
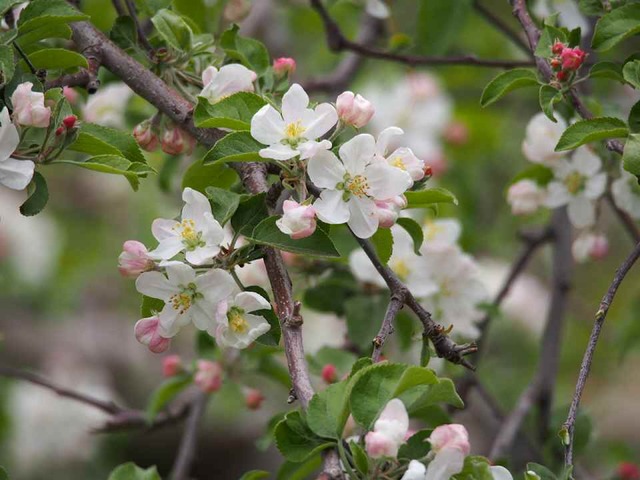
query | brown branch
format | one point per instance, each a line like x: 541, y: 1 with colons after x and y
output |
x: 337, y: 42
x: 502, y: 26
x: 118, y: 7
x: 86, y: 78
x: 629, y: 224
x: 189, y: 442
x: 386, y: 329
x: 585, y: 366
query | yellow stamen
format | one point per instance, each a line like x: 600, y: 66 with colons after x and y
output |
x: 398, y: 163
x: 294, y: 130
x: 357, y: 185
x: 431, y: 229
x: 237, y: 322
x: 574, y: 182
x: 181, y: 302
x: 401, y: 268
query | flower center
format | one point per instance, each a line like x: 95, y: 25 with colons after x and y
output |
x: 182, y: 301
x: 431, y: 229
x: 357, y: 185
x: 574, y: 182
x: 236, y: 319
x: 191, y: 238
x: 293, y: 133
x: 401, y: 268
x: 398, y: 163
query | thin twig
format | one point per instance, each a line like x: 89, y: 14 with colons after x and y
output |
x: 142, y: 37
x: 119, y: 8
x: 585, y: 366
x: 386, y: 329
x: 629, y: 224
x: 337, y: 42
x: 502, y: 26
x: 189, y: 442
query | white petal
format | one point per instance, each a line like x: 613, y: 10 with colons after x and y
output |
x: 362, y: 217
x: 582, y: 212
x: 251, y: 301
x: 446, y: 463
x: 16, y: 174
x: 557, y: 195
x: 416, y: 471
x: 500, y: 473
x: 385, y: 138
x: 267, y: 126
x: 323, y: 119
x: 170, y: 322
x: 180, y: 274
x: 596, y: 186
x: 9, y: 136
x: 310, y: 148
x: 167, y: 248
x: 163, y: 228
x: 201, y: 316
x: 278, y: 151
x: 585, y: 161
x: 386, y: 181
x: 294, y: 104
x: 196, y: 205
x: 325, y: 170
x: 155, y: 285
x: 331, y: 208
x: 212, y: 231
x: 202, y: 255
x: 216, y: 285
x: 393, y: 420
x: 357, y: 153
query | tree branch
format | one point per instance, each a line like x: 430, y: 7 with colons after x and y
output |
x: 337, y: 42
x: 386, y: 329
x: 585, y: 367
x: 188, y: 444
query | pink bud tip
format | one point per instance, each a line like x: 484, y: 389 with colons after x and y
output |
x: 284, y: 66
x: 171, y: 366
x: 69, y: 121
x: 329, y: 373
x: 208, y: 376
x: 253, y: 398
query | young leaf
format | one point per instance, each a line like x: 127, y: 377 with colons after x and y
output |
x: 250, y: 213
x: 505, y: 83
x: 631, y: 73
x: 166, y: 392
x: 550, y: 34
x: 268, y: 233
x: 98, y: 140
x: 634, y: 118
x: 364, y: 316
x: 7, y: 64
x: 233, y: 112
x: 616, y: 26
x: 173, y: 29
x: 235, y: 147
x: 382, y: 240
x: 414, y: 230
x: 360, y: 458
x: 328, y: 411
x: 416, y: 446
x: 592, y: 130
x: 223, y: 203
x: 631, y: 155
x: 296, y: 441
x: 57, y: 59
x: 251, y: 53
x: 548, y: 97
x: 426, y: 198
x: 130, y: 471
x: 46, y: 12
x: 38, y: 196
x: 199, y: 176
x: 607, y: 70
x: 475, y: 468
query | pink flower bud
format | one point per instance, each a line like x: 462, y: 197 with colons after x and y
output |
x: 69, y: 121
x: 297, y: 221
x: 329, y: 373
x: 562, y: 75
x: 208, y: 376
x: 388, y: 211
x: 176, y: 141
x: 450, y: 436
x: 572, y: 58
x: 59, y: 131
x: 253, y: 398
x: 134, y: 259
x: 145, y: 136
x: 558, y: 47
x: 380, y: 445
x: 28, y: 107
x: 456, y: 133
x: 171, y: 366
x: 146, y: 332
x: 628, y: 471
x: 590, y: 246
x: 70, y: 94
x: 354, y: 109
x: 389, y: 431
x: 284, y: 66
x: 600, y: 247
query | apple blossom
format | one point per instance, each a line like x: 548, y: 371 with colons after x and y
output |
x: 402, y: 158
x: 329, y: 373
x: 500, y: 473
x: 145, y: 136
x: 237, y: 322
x: 208, y: 376
x: 148, y: 332
x: 626, y: 194
x: 416, y: 471
x: 298, y: 221
x: 107, y: 106
x: 578, y: 183
x: 14, y: 174
x: 388, y: 211
x: 294, y: 131
x: 171, y: 365
x: 449, y: 447
x: 351, y: 185
x: 230, y: 79
x: 377, y: 9
x: 354, y: 109
x: 28, y: 107
x: 590, y: 245
x: 445, y: 231
x: 176, y: 141
x: 389, y: 431
x: 197, y: 233
x: 188, y: 298
x: 525, y: 197
x: 541, y: 138
x: 284, y: 66
x: 134, y: 259
x: 253, y: 398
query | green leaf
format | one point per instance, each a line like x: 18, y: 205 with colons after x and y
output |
x: 98, y: 140
x: 44, y: 32
x: 379, y: 383
x: 616, y: 26
x: 249, y: 214
x: 475, y: 468
x: 150, y: 306
x: 268, y: 233
x: 7, y: 64
x: 300, y: 471
x: 272, y: 337
x: 113, y: 164
x: 549, y: 35
x: 414, y: 230
x: 592, y: 8
x: 223, y: 203
x: 234, y: 112
x: 416, y: 446
x: 123, y: 33
x: 593, y: 130
x: 295, y: 440
x: 634, y: 118
x: 38, y: 196
x: 382, y: 240
x: 130, y: 471
x: 609, y: 70
x: 364, y: 317
x: 548, y: 97
x: 631, y: 73
x: 631, y: 154
x: 235, y: 147
x: 5, y: 5
x: 442, y: 392
x: 360, y: 458
x: 328, y: 411
x: 255, y: 475
x: 199, y: 176
x: 426, y: 198
x: 46, y: 12
x: 251, y: 53
x: 538, y: 173
x: 505, y: 83
x: 543, y: 472
x: 57, y: 58
x: 439, y: 24
x: 166, y: 392
x: 173, y: 29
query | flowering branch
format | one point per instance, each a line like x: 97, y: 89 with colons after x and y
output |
x: 585, y: 366
x: 337, y: 42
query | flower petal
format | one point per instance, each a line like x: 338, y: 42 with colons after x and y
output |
x: 596, y: 186
x: 386, y: 181
x: 267, y: 126
x: 155, y: 285
x: 582, y: 212
x: 9, y: 136
x: 382, y: 145
x: 446, y: 463
x: 557, y: 195
x: 251, y: 301
x: 196, y: 205
x: 331, y: 208
x: 585, y: 161
x: 167, y: 249
x: 16, y: 174
x: 357, y: 153
x: 278, y: 151
x: 180, y: 274
x: 362, y: 217
x: 216, y: 285
x: 323, y: 119
x: 325, y: 170
x: 310, y: 148
x: 294, y: 104
x: 163, y: 228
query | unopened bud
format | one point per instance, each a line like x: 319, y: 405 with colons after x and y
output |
x: 354, y: 109
x: 208, y: 376
x: 59, y: 131
x: 628, y: 471
x: 562, y: 75
x: 284, y: 66
x: 253, y: 398
x: 329, y: 373
x: 572, y: 58
x: 176, y: 141
x: 69, y: 121
x: 558, y: 47
x: 171, y: 366
x: 145, y: 136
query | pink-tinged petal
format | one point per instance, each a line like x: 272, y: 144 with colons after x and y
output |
x: 386, y: 182
x: 311, y: 148
x: 294, y: 104
x: 445, y: 464
x: 451, y: 435
x: 216, y: 285
x: 362, y: 217
x: 357, y: 153
x: 267, y: 126
x: 393, y: 421
x: 325, y: 170
x: 251, y: 301
x: 331, y: 208
x: 323, y: 119
x: 16, y: 174
x: 147, y: 332
x: 379, y: 445
x: 196, y: 205
x: 279, y: 152
x: 209, y: 74
x: 163, y: 228
x: 155, y: 285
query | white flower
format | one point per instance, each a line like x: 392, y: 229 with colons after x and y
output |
x: 377, y: 9
x: 294, y: 131
x: 416, y: 471
x: 187, y: 298
x: 298, y: 221
x: 389, y: 431
x: 197, y: 233
x: 352, y: 185
x: 541, y: 138
x: 14, y: 174
x: 500, y: 473
x: 402, y: 158
x: 389, y: 210
x: 589, y: 245
x: 230, y: 79
x: 626, y: 194
x: 28, y: 107
x: 444, y: 231
x: 578, y: 184
x: 450, y: 444
x: 107, y: 106
x: 525, y: 197
x: 237, y: 324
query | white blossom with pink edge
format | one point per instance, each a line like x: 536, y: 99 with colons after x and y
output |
x: 14, y: 174
x: 449, y: 447
x: 590, y: 245
x: 402, y: 158
x: 389, y: 431
x: 298, y: 221
x: 147, y: 332
x: 28, y: 107
x: 208, y: 376
x: 388, y: 211
x: 237, y: 324
x: 134, y: 259
x: 354, y: 109
x: 230, y: 79
x: 525, y: 197
x: 541, y: 138
x: 352, y: 183
x: 197, y: 233
x: 294, y: 131
x: 188, y: 298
